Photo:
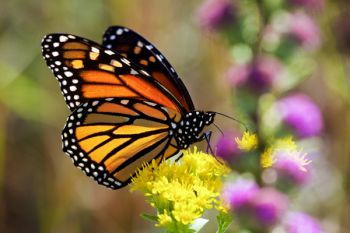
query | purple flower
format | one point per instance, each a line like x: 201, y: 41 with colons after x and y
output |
x: 254, y: 207
x: 268, y: 206
x: 301, y: 114
x: 263, y: 72
x: 308, y: 4
x: 239, y: 193
x: 304, y: 31
x: 226, y: 146
x: 297, y: 222
x: 214, y: 14
x: 259, y: 74
x: 290, y: 167
x: 237, y: 75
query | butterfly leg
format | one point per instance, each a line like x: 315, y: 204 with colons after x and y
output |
x: 207, y: 137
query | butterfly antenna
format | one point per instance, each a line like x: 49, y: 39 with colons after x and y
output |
x: 219, y: 129
x: 234, y: 119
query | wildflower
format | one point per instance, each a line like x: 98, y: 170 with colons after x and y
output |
x: 301, y: 114
x: 237, y: 75
x: 214, y: 14
x: 227, y: 147
x: 297, y: 222
x: 268, y: 206
x: 289, y: 163
x: 304, y: 31
x: 238, y: 193
x: 248, y: 142
x: 181, y: 191
x: 254, y: 207
x: 164, y: 219
x: 263, y: 73
x: 259, y: 74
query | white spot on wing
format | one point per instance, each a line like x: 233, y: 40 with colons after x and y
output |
x: 126, y: 61
x: 68, y: 74
x: 125, y: 102
x: 109, y: 52
x: 133, y: 71
x: 73, y: 88
x: 95, y: 50
x: 63, y: 38
x: 119, y: 31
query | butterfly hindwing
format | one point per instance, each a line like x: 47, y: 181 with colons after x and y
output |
x: 86, y: 71
x: 110, y: 139
x: 139, y: 50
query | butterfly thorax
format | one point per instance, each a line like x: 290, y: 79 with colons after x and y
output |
x: 189, y: 129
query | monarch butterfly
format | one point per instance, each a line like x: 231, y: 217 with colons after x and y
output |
x: 128, y: 104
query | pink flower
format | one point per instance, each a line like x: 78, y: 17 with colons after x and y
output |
x: 214, y: 14
x: 239, y: 193
x: 301, y: 114
x: 297, y: 222
x: 259, y: 74
x: 269, y: 206
x: 263, y: 72
x: 289, y: 169
x: 226, y: 146
x: 237, y: 75
x: 255, y: 207
x: 304, y: 31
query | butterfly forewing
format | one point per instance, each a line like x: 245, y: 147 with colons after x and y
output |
x: 136, y: 48
x: 110, y: 139
x: 86, y: 71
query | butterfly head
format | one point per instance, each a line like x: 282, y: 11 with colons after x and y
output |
x: 189, y: 129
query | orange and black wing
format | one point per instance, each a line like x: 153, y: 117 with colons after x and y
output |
x: 85, y: 70
x: 109, y: 139
x: 141, y: 52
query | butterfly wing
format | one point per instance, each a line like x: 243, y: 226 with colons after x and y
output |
x: 86, y: 71
x: 110, y: 139
x: 136, y: 48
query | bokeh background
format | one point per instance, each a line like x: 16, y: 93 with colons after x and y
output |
x: 40, y: 189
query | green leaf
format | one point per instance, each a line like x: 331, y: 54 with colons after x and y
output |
x: 149, y: 217
x: 224, y: 221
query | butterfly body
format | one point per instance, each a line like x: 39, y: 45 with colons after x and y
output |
x: 189, y: 129
x: 128, y: 105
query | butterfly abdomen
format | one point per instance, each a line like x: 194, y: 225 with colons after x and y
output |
x: 189, y: 129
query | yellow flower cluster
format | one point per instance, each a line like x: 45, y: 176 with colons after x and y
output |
x: 248, y: 142
x: 182, y: 191
x: 269, y: 158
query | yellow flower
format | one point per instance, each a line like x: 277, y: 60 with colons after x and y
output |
x: 284, y: 149
x: 267, y: 160
x: 164, y: 219
x: 186, y: 212
x: 248, y: 142
x: 182, y: 191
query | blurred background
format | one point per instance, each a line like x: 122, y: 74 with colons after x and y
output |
x: 41, y: 190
